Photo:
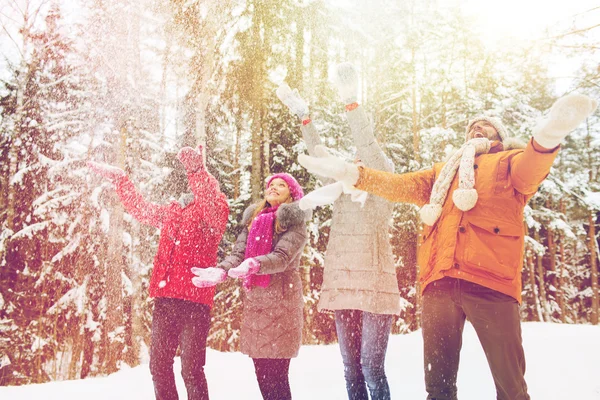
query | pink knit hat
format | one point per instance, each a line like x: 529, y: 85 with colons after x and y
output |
x: 295, y: 190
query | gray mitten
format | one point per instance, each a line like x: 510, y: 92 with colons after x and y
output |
x: 346, y: 82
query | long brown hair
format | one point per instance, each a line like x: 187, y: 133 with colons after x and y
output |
x: 261, y: 205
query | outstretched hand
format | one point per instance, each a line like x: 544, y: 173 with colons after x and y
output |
x: 564, y: 116
x: 346, y: 82
x: 192, y: 160
x: 291, y: 98
x: 248, y: 267
x: 106, y: 171
x: 329, y: 166
x: 208, y: 277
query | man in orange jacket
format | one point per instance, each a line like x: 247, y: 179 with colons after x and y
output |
x: 471, y: 254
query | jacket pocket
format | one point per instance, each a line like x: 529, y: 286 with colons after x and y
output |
x: 494, y: 247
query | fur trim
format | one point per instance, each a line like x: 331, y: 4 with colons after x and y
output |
x: 248, y: 214
x: 513, y: 143
x: 290, y: 214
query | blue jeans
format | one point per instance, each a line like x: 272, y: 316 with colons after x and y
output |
x: 495, y: 317
x: 363, y: 339
x: 185, y: 324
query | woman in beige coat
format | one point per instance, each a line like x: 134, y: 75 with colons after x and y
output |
x: 359, y: 282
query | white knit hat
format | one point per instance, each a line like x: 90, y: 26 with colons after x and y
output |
x: 496, y: 123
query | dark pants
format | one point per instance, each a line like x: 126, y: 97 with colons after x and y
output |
x: 181, y: 323
x: 495, y: 317
x: 363, y: 339
x: 272, y: 375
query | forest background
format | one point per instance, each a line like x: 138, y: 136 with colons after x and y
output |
x: 129, y: 82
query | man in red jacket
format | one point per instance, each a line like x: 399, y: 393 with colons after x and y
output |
x: 191, y: 230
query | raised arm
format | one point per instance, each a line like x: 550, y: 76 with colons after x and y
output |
x: 413, y: 187
x: 144, y: 211
x: 208, y: 198
x: 297, y: 105
x: 369, y: 151
x: 529, y: 168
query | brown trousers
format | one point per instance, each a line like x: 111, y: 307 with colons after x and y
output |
x: 495, y: 317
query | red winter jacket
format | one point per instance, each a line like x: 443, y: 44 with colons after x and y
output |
x: 189, y: 236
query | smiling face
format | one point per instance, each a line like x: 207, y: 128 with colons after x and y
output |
x: 277, y: 192
x: 483, y: 129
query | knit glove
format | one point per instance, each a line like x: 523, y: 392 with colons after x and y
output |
x: 249, y: 266
x: 191, y: 159
x: 564, y: 116
x: 106, y: 171
x: 345, y: 80
x: 329, y: 166
x: 208, y: 277
x: 291, y: 98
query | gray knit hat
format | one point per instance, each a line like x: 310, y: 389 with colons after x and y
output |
x: 496, y: 123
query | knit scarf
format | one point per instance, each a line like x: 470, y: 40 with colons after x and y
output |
x: 260, y: 242
x: 465, y: 197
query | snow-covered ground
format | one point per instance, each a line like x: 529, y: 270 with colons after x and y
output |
x: 563, y: 363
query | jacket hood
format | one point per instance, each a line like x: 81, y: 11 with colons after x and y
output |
x: 288, y: 214
x: 512, y: 143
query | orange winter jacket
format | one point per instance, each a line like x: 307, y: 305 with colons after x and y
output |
x: 485, y: 244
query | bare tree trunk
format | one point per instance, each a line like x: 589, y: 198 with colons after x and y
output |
x: 560, y: 295
x: 237, y: 176
x: 542, y: 281
x: 592, y: 245
x: 534, y: 292
x: 415, y: 114
x: 551, y: 251
x: 114, y: 271
x: 531, y: 268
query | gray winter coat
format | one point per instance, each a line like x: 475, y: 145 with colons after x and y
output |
x: 359, y: 265
x: 272, y: 317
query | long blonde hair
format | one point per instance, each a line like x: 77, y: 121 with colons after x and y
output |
x: 261, y: 205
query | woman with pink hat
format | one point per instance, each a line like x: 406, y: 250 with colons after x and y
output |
x: 266, y: 257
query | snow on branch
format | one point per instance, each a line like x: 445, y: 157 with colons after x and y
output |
x: 30, y: 230
x: 76, y: 296
x: 68, y: 249
x: 18, y: 177
x: 55, y: 203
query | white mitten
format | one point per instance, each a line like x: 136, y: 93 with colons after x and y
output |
x: 207, y: 277
x: 322, y: 196
x: 346, y: 82
x: 564, y: 116
x: 329, y: 166
x: 106, y: 171
x: 249, y: 266
x: 291, y: 98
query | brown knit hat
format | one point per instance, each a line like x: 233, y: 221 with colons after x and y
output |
x: 496, y: 123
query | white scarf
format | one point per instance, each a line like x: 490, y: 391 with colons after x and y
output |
x: 465, y: 196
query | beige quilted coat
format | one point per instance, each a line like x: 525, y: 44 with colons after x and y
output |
x: 359, y: 267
